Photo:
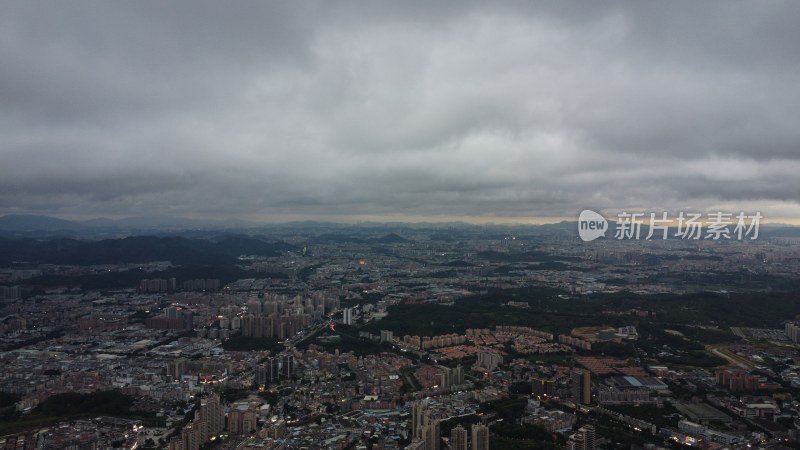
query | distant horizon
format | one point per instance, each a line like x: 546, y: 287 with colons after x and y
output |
x: 362, y: 219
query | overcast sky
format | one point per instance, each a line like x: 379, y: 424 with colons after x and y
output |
x: 398, y: 110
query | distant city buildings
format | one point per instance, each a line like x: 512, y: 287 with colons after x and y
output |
x: 575, y: 342
x: 101, y: 323
x: 171, y: 285
x: 274, y: 325
x: 793, y: 331
x: 452, y: 376
x: 279, y: 317
x: 489, y: 360
x: 737, y: 380
x: 347, y: 316
x: 10, y: 292
x: 173, y: 318
x: 200, y: 284
x: 553, y: 421
x: 615, y: 396
x: 157, y: 285
x: 65, y: 339
x: 433, y: 342
x: 269, y: 372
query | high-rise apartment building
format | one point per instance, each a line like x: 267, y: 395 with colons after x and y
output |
x: 458, y: 438
x: 583, y: 439
x: 347, y: 316
x: 480, y: 437
x: 581, y: 386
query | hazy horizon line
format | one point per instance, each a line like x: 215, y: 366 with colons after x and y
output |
x: 363, y: 218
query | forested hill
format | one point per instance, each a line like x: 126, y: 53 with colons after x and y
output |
x: 136, y: 249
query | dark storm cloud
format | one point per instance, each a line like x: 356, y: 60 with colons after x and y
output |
x: 323, y: 109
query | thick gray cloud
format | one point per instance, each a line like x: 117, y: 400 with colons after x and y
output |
x: 342, y: 110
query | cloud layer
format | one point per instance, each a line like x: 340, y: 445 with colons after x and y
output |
x: 398, y: 109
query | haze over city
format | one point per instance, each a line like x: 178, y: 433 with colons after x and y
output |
x: 472, y: 111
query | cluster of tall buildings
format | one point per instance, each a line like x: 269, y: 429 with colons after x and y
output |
x: 274, y: 326
x: 278, y: 317
x: 459, y: 438
x: 574, y: 342
x: 242, y: 419
x: 158, y: 285
x: 793, y: 332
x: 347, y: 316
x: 452, y: 376
x: 173, y: 318
x: 209, y: 421
x: 425, y: 430
x: 201, y: 284
x: 274, y: 369
x: 10, y: 292
x: 430, y: 342
x: 489, y: 360
x: 580, y: 384
x: 440, y: 376
x: 446, y: 340
x: 737, y: 380
x: 171, y: 285
x: 523, y: 330
x: 543, y: 386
